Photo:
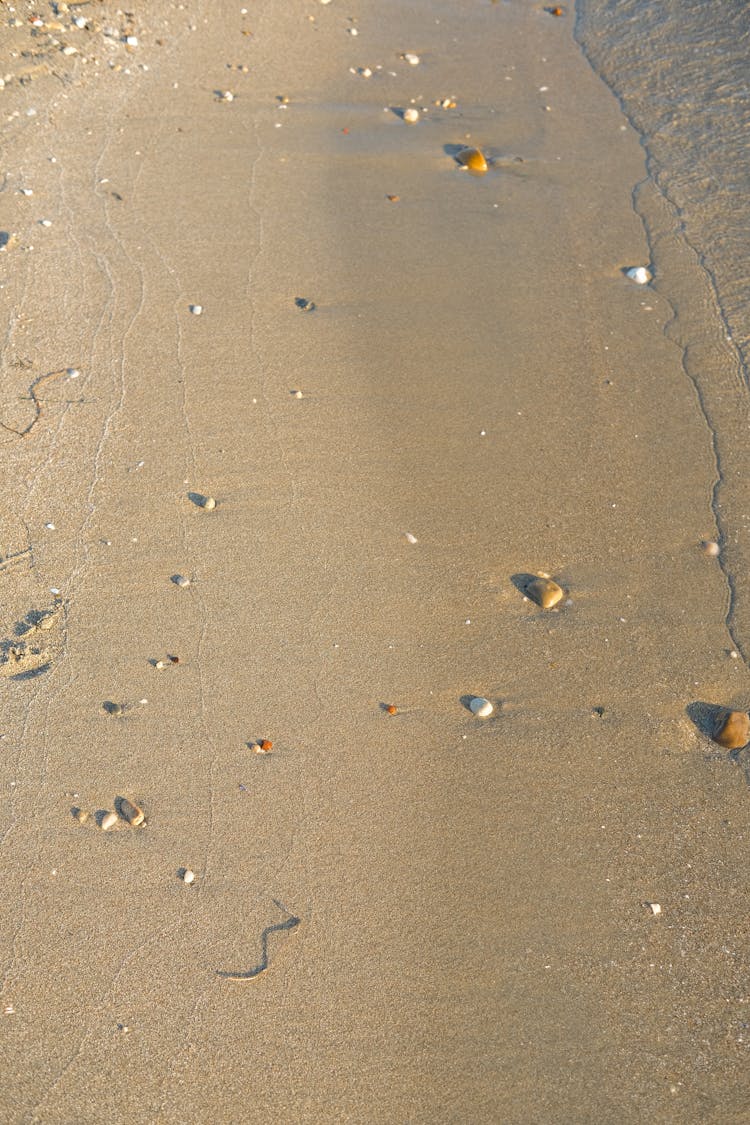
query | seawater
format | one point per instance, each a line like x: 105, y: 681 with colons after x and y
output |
x: 681, y: 71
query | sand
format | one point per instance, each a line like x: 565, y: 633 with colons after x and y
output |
x: 451, y: 914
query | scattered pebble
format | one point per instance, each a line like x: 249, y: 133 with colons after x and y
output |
x: 392, y: 709
x: 411, y: 115
x: 654, y: 907
x: 544, y: 592
x: 130, y: 812
x: 131, y: 40
x: 473, y: 159
x: 116, y: 709
x: 80, y: 815
x: 264, y: 746
x: 711, y: 548
x: 73, y: 373
x: 226, y: 96
x: 481, y: 707
x: 108, y: 821
x: 732, y: 730
x: 639, y: 274
x: 304, y: 304
x: 196, y: 310
x: 45, y: 222
x: 26, y: 191
x: 410, y: 538
x: 187, y: 875
x: 393, y: 198
x: 181, y: 581
x: 209, y: 503
x: 411, y: 58
x: 353, y: 31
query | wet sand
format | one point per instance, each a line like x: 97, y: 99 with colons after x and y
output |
x: 474, y: 940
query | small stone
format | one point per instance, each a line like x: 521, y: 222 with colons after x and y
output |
x: 304, y: 304
x: 481, y: 707
x: 654, y: 907
x: 226, y: 96
x: 45, y: 222
x: 181, y: 581
x: 411, y: 58
x: 209, y: 503
x: 639, y: 274
x: 80, y: 815
x: 161, y: 664
x: 393, y: 198
x: 130, y: 812
x: 108, y: 821
x: 473, y: 159
x: 187, y: 876
x: 411, y: 115
x: 26, y: 191
x: 196, y: 310
x: 410, y: 538
x: 131, y: 40
x: 732, y: 730
x: 392, y: 709
x: 711, y: 548
x: 116, y: 709
x: 544, y: 592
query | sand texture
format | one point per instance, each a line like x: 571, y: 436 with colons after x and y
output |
x: 410, y: 390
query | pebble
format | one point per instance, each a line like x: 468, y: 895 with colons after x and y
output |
x: 411, y: 115
x: 209, y: 503
x: 131, y: 40
x: 130, y: 812
x: 639, y: 274
x: 196, y: 310
x: 410, y: 538
x: 45, y: 222
x: 108, y: 821
x: 26, y: 191
x: 654, y: 907
x: 411, y: 58
x: 226, y: 96
x: 265, y: 746
x: 473, y: 159
x: 711, y: 548
x: 116, y: 709
x: 181, y: 581
x: 732, y: 730
x: 80, y: 815
x: 481, y: 707
x: 188, y: 876
x: 304, y: 304
x: 544, y: 592
x: 392, y: 709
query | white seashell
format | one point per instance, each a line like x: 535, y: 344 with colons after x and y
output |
x: 411, y: 58
x: 73, y: 373
x: 108, y: 821
x: 196, y: 310
x: 188, y: 876
x: 639, y: 274
x: 411, y: 115
x: 481, y: 707
x: 209, y: 503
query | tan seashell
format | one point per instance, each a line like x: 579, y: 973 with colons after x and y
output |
x: 473, y: 159
x: 108, y: 821
x: 544, y: 592
x: 130, y: 812
x: 732, y: 730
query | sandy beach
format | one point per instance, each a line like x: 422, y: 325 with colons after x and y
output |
x: 231, y: 269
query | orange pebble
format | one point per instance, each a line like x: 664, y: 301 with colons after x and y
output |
x: 391, y: 709
x: 265, y: 745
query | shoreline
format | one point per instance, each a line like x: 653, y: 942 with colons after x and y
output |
x: 483, y: 395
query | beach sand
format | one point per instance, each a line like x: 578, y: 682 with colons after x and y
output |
x: 484, y: 395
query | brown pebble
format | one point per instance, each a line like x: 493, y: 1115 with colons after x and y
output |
x: 393, y: 198
x: 391, y: 709
x: 544, y: 592
x: 473, y: 159
x: 265, y: 745
x: 130, y: 812
x: 732, y: 730
x: 80, y: 815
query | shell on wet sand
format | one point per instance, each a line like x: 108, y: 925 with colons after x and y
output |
x: 473, y: 159
x: 481, y: 707
x: 732, y: 730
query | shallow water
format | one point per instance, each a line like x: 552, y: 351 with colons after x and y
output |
x: 679, y: 69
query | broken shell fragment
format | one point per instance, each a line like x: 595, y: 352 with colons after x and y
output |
x: 108, y: 821
x: 654, y: 907
x: 544, y: 592
x: 732, y: 730
x: 481, y: 707
x: 130, y: 812
x: 639, y: 274
x: 473, y: 159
